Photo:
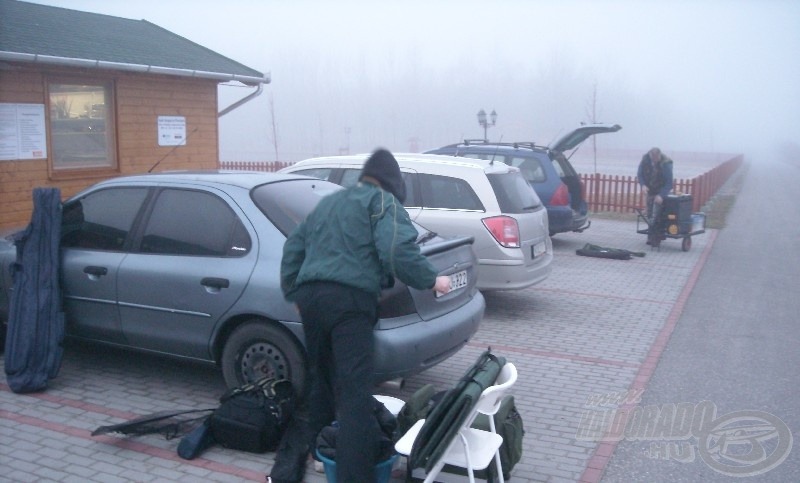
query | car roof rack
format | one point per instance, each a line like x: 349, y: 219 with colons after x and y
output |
x: 483, y: 142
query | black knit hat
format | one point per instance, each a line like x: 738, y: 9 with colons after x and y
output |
x: 382, y: 166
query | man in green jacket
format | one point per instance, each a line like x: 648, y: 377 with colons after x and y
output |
x: 335, y: 263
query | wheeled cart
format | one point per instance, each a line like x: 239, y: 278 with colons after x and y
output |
x: 677, y: 221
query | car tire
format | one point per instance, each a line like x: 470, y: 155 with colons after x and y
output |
x: 258, y: 349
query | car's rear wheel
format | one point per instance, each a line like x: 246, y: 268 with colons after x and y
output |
x: 258, y: 349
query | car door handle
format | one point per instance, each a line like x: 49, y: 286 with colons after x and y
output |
x: 95, y: 271
x: 214, y: 282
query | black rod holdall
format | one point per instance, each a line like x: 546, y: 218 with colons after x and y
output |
x: 253, y: 417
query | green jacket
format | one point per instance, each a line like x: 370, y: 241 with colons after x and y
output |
x: 360, y: 237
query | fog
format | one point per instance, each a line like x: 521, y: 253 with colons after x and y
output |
x: 347, y: 76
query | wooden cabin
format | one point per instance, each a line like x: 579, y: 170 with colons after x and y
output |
x: 85, y: 96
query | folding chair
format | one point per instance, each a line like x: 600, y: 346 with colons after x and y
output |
x: 472, y: 449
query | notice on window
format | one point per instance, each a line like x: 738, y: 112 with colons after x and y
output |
x: 22, y: 132
x: 171, y: 130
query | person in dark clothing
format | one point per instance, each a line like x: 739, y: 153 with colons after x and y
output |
x: 335, y: 263
x: 655, y: 176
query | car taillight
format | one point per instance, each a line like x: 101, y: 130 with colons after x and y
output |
x: 504, y: 229
x: 561, y: 196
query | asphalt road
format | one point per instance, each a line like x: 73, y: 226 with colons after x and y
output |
x: 735, y: 346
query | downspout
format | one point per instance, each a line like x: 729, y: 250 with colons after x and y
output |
x: 238, y: 103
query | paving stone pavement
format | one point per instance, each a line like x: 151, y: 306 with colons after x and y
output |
x: 594, y: 328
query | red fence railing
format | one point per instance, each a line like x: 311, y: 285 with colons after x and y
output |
x: 602, y: 192
x: 270, y: 166
x: 623, y: 193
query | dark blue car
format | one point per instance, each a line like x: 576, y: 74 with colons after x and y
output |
x: 546, y: 169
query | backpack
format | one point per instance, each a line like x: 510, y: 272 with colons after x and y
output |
x: 253, y: 417
x: 508, y: 423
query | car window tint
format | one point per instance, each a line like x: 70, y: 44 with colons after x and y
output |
x: 188, y: 222
x: 448, y: 192
x: 321, y: 173
x: 514, y: 193
x: 530, y: 168
x: 101, y: 220
x: 287, y: 203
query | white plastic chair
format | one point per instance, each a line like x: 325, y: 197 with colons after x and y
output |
x: 472, y: 449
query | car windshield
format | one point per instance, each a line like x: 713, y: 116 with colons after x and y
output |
x: 514, y: 194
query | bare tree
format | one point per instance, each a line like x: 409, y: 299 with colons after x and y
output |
x: 274, y: 126
x: 591, y: 112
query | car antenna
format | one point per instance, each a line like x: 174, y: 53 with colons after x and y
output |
x: 496, y: 148
x: 173, y: 149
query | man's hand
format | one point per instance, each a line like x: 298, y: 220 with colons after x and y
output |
x: 442, y: 284
x: 658, y: 199
x: 644, y: 190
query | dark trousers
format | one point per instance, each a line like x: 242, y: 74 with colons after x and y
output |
x: 654, y: 213
x: 338, y: 323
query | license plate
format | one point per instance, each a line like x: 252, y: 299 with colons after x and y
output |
x: 457, y: 280
x: 539, y: 249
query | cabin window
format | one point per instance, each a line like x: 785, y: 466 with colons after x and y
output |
x: 81, y: 125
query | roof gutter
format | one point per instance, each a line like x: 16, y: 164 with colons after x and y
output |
x: 144, y: 69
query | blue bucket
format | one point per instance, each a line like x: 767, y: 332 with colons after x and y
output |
x: 383, y: 470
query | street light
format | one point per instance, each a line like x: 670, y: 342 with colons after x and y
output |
x: 485, y: 123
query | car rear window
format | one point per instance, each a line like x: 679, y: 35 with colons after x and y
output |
x: 514, y: 194
x: 562, y: 165
x: 531, y: 168
x: 287, y: 203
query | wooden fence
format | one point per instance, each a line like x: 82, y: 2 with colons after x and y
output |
x: 621, y: 194
x: 603, y: 193
x: 270, y: 166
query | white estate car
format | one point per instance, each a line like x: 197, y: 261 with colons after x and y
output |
x: 459, y: 196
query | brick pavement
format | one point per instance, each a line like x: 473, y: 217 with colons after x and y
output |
x: 595, y: 327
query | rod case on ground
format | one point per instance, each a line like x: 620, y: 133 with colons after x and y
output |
x: 35, y: 334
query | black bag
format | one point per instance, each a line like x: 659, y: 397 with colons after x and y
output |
x: 253, y: 417
x: 508, y: 423
x: 590, y: 250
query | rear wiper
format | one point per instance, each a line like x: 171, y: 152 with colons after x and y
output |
x: 428, y: 236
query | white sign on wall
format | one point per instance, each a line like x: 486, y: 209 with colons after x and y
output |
x: 171, y: 130
x: 22, y: 132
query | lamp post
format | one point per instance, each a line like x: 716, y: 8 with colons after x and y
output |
x: 485, y: 123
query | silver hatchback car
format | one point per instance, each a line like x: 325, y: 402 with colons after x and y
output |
x: 187, y: 264
x: 488, y: 201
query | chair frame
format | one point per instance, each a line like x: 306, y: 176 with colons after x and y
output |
x: 473, y: 449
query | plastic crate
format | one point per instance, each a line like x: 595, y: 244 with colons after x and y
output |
x: 383, y: 470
